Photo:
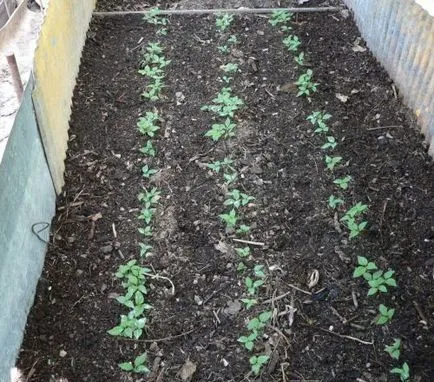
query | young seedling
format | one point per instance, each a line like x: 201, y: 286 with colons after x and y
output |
x: 230, y: 219
x: 257, y: 362
x: 218, y: 165
x: 138, y: 366
x: 280, y: 17
x: 147, y: 172
x: 403, y: 372
x: 146, y: 125
x: 221, y: 130
x: 223, y: 49
x: 334, y: 202
x: 343, y: 182
x: 292, y: 43
x: 305, y: 85
x: 151, y: 197
x: 230, y: 178
x: 243, y: 229
x: 318, y: 119
x: 349, y: 219
x: 225, y: 104
x: 237, y: 199
x: 223, y: 22
x: 330, y: 144
x: 241, y: 267
x: 147, y: 231
x: 332, y: 162
x: 394, y: 350
x: 363, y: 268
x: 385, y: 315
x: 130, y: 327
x: 299, y: 59
x: 258, y: 271
x: 153, y: 90
x: 233, y: 40
x: 153, y: 17
x: 356, y: 210
x: 258, y: 323
x: 144, y: 249
x: 243, y: 252
x: 230, y: 68
x: 252, y: 285
x: 379, y: 281
x: 249, y: 341
x: 148, y: 149
x: 249, y: 302
x: 146, y: 214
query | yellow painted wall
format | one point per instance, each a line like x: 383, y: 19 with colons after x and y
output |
x: 57, y: 59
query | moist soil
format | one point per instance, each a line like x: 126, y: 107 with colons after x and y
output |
x: 332, y: 337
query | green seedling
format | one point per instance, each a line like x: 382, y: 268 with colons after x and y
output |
x: 146, y: 214
x: 363, y: 268
x: 258, y: 323
x: 230, y: 219
x: 356, y: 210
x: 221, y: 130
x: 403, y: 372
x: 334, y: 202
x: 130, y: 327
x: 355, y: 228
x: 223, y: 22
x: 299, y: 59
x: 332, y: 162
x: 258, y: 271
x: 154, y: 61
x: 144, y: 249
x: 379, y: 281
x: 136, y: 302
x: 249, y: 302
x: 153, y: 90
x: 243, y: 252
x: 230, y: 68
x: 230, y: 178
x: 154, y: 48
x: 257, y: 362
x: 292, y: 43
x: 146, y: 125
x: 147, y: 231
x: 249, y: 341
x: 318, y: 119
x: 218, y: 165
x: 252, y: 285
x: 139, y: 365
x: 153, y: 17
x: 349, y: 219
x: 243, y: 229
x: 305, y: 85
x: 225, y: 104
x: 385, y: 315
x: 241, y: 267
x: 394, y: 350
x: 148, y: 149
x: 237, y: 199
x: 152, y: 72
x: 343, y: 182
x: 233, y: 40
x: 280, y: 17
x: 147, y: 172
x: 223, y: 49
x: 151, y: 197
x: 330, y: 144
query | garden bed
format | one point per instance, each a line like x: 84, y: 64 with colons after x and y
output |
x: 194, y: 333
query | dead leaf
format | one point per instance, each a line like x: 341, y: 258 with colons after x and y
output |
x: 342, y: 97
x: 357, y: 47
x: 233, y: 307
x: 187, y: 371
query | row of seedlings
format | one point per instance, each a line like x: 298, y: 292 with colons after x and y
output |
x: 133, y: 274
x: 379, y: 281
x: 224, y: 107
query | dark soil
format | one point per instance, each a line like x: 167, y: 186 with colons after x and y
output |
x: 282, y: 166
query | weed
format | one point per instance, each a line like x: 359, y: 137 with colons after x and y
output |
x: 147, y: 172
x: 249, y: 302
x: 252, y: 285
x: 223, y: 22
x: 292, y: 43
x: 230, y: 219
x: 385, y: 315
x: 221, y: 130
x: 138, y: 366
x: 330, y: 144
x: 394, y: 350
x: 280, y: 17
x: 332, y: 162
x: 217, y: 165
x: 379, y: 281
x: 146, y: 125
x: 299, y: 59
x: 403, y: 372
x: 148, y: 149
x: 257, y: 362
x: 343, y: 182
x: 225, y: 104
x: 237, y: 199
x: 362, y: 270
x: 334, y: 202
x: 305, y: 85
x: 249, y: 341
x: 243, y: 252
x: 144, y: 249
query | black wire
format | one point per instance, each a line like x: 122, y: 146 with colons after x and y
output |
x: 36, y: 233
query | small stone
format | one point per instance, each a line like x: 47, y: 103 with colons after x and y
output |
x: 106, y: 249
x: 63, y: 353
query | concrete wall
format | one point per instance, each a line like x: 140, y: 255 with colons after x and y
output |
x: 400, y: 33
x: 27, y: 197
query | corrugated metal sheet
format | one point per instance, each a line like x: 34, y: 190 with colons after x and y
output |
x: 57, y: 60
x: 400, y: 33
